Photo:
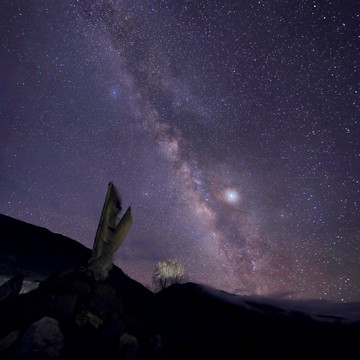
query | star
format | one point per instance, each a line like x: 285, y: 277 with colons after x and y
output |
x: 231, y: 196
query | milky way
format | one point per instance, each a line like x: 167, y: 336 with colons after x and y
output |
x: 231, y: 128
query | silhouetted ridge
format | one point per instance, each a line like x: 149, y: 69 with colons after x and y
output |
x: 36, y: 252
x: 198, y: 322
x: 83, y: 317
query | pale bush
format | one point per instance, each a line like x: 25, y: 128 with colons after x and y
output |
x: 166, y: 273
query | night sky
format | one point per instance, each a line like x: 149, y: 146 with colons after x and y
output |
x: 230, y: 127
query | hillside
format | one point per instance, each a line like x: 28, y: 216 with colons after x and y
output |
x: 71, y: 315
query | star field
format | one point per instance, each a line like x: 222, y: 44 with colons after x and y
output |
x: 231, y: 128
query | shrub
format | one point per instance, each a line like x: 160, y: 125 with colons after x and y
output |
x: 166, y: 273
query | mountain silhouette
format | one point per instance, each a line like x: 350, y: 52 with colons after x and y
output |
x: 73, y: 315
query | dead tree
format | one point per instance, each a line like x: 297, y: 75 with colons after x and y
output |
x: 167, y: 273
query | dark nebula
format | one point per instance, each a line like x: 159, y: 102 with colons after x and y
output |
x: 230, y: 127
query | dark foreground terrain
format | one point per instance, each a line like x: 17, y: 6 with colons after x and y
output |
x: 70, y: 315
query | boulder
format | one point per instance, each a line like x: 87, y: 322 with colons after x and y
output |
x: 11, y: 288
x: 42, y: 339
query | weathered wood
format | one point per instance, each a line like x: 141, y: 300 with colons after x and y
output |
x: 109, y: 235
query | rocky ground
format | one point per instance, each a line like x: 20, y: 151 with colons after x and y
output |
x: 70, y: 316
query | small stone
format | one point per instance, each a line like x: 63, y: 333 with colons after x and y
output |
x: 87, y: 317
x: 128, y: 347
x: 156, y: 343
x: 11, y: 288
x: 28, y: 286
x: 9, y: 340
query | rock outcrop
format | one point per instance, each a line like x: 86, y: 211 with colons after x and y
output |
x: 72, y: 315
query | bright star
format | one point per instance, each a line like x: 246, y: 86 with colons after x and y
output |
x: 232, y: 196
